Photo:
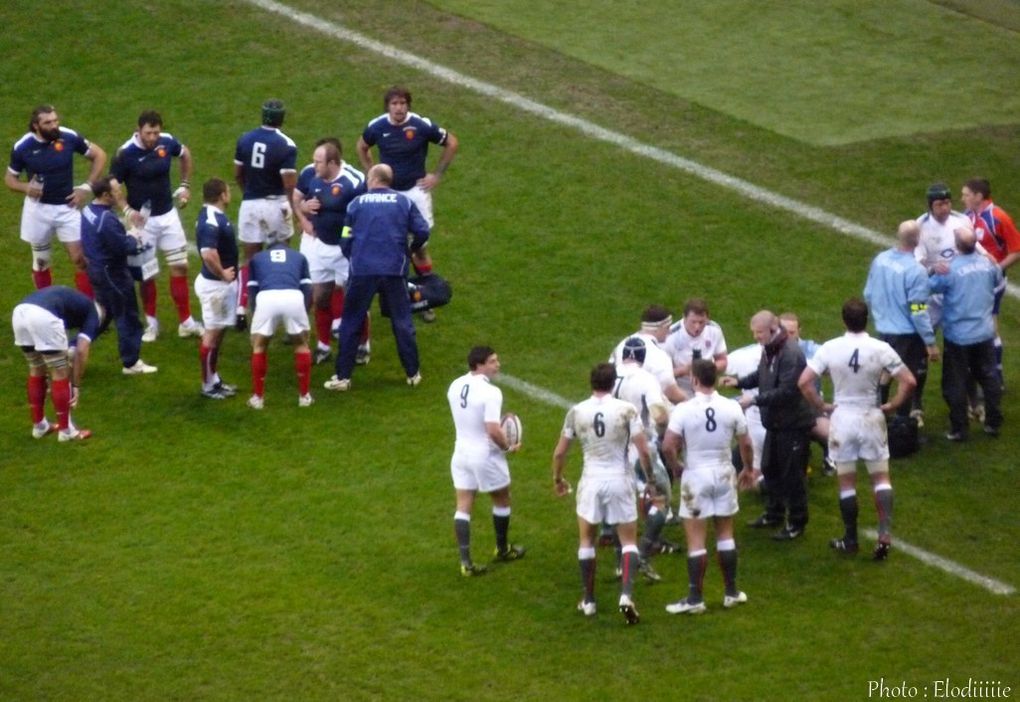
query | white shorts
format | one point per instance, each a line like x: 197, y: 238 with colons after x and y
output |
x: 756, y: 430
x: 477, y: 470
x: 165, y: 231
x: 39, y: 221
x: 858, y: 433
x: 275, y: 307
x: 265, y: 218
x: 423, y: 199
x: 609, y: 500
x: 39, y: 328
x: 326, y: 263
x: 708, y: 492
x: 219, y: 302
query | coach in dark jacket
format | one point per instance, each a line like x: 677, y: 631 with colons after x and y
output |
x: 107, y: 245
x: 375, y: 239
x: 787, y: 419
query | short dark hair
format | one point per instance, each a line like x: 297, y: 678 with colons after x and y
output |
x: 980, y: 186
x: 655, y: 313
x: 397, y: 91
x: 855, y: 315
x: 478, y: 356
x: 603, y: 377
x: 704, y: 371
x: 213, y: 189
x: 150, y: 117
x: 39, y: 110
x: 102, y: 186
x: 695, y: 305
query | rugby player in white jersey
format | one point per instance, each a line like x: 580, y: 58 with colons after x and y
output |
x: 694, y: 336
x: 705, y: 428
x: 640, y: 388
x: 741, y: 362
x: 856, y: 362
x: 479, y: 463
x: 606, y: 427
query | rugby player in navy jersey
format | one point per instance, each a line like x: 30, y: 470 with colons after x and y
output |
x: 216, y: 283
x: 265, y: 167
x: 280, y: 292
x: 46, y: 156
x: 41, y: 322
x: 375, y: 241
x: 403, y: 139
x: 321, y: 202
x: 143, y: 165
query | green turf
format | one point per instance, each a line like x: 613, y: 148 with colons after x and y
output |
x: 825, y: 73
x: 199, y: 550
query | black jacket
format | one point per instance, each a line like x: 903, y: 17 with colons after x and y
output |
x: 782, y: 405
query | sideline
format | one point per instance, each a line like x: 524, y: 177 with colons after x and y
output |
x: 740, y: 186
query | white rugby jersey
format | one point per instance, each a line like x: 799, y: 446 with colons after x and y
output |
x: 640, y: 388
x: 938, y: 243
x: 604, y: 425
x: 708, y: 424
x: 657, y: 362
x: 473, y: 402
x: 855, y: 362
x: 682, y: 347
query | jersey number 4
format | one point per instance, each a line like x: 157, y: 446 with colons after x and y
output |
x: 855, y: 360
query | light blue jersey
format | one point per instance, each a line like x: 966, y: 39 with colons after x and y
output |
x: 897, y: 293
x: 968, y: 298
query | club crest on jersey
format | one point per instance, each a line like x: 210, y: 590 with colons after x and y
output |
x: 335, y: 189
x: 58, y: 145
x: 409, y: 133
x: 161, y: 152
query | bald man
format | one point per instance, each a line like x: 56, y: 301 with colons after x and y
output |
x: 897, y: 293
x: 968, y: 328
x: 788, y: 421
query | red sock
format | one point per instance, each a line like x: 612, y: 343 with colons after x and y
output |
x: 204, y: 357
x: 366, y: 330
x: 323, y: 322
x: 37, y: 397
x: 179, y: 293
x: 336, y: 302
x: 42, y: 279
x: 81, y: 281
x: 149, y: 296
x: 303, y: 366
x: 242, y: 282
x: 61, y: 394
x: 259, y: 363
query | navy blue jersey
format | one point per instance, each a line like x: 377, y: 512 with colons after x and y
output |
x: 404, y: 147
x: 279, y: 268
x: 214, y: 231
x: 305, y: 178
x: 50, y: 161
x: 334, y: 196
x: 376, y: 230
x: 104, y: 239
x: 146, y: 172
x: 262, y: 154
x: 73, y: 308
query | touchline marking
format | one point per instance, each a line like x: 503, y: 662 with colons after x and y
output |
x: 994, y: 586
x: 589, y: 129
x: 991, y: 584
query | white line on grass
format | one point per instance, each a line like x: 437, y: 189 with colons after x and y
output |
x: 991, y: 584
x: 590, y: 129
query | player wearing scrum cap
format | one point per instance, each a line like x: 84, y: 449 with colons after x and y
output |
x: 478, y: 463
x: 265, y: 167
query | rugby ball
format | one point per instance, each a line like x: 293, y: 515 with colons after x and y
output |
x: 511, y: 426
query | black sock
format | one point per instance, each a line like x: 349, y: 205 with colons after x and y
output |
x: 588, y: 577
x: 848, y: 508
x: 696, y: 575
x: 462, y: 528
x: 728, y: 564
x: 884, y: 504
x: 502, y: 526
x: 653, y: 529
